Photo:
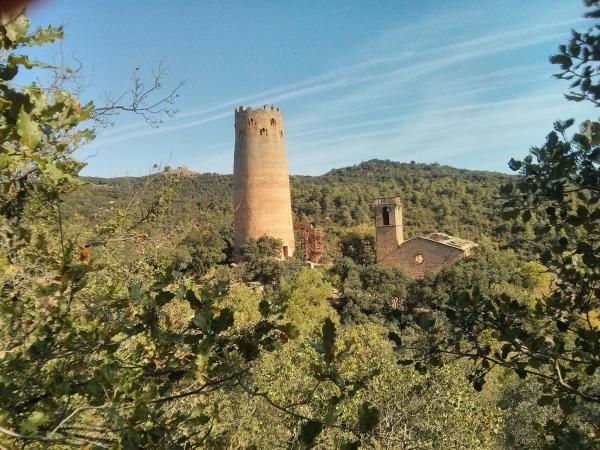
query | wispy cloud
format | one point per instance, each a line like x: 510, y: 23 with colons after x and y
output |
x: 354, y: 74
x: 421, y: 100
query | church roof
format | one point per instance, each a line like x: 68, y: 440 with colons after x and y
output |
x: 450, y: 241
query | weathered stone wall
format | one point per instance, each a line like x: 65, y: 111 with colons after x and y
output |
x: 386, y: 245
x: 261, y: 185
x: 419, y: 256
x: 388, y: 234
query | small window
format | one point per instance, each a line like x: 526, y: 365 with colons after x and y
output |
x: 272, y: 121
x: 386, y: 215
x: 419, y: 259
x: 285, y: 251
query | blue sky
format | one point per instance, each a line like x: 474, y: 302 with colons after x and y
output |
x: 463, y: 83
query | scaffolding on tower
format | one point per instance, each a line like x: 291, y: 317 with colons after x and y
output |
x: 311, y: 239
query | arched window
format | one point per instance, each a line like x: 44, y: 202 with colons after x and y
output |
x: 273, y: 122
x: 386, y: 215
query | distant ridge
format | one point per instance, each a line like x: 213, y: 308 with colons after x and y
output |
x: 181, y: 170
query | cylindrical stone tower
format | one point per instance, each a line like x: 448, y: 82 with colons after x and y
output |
x: 261, y: 183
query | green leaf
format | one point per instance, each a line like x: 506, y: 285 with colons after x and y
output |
x: 28, y: 130
x: 514, y: 164
x: 135, y: 329
x: 190, y: 296
x: 45, y: 36
x: 563, y: 60
x: 8, y: 71
x: 23, y: 60
x: 395, y: 338
x: 426, y: 320
x: 33, y: 422
x: 290, y: 330
x: 368, y: 418
x: 264, y: 307
x: 478, y: 384
x: 135, y: 292
x: 405, y: 362
x: 223, y: 321
x: 309, y: 432
x: 352, y: 445
x: 575, y: 97
x: 202, y: 319
x: 567, y: 404
x: 164, y: 297
x: 545, y: 400
x: 328, y: 340
x: 506, y: 348
x: 17, y: 28
x: 328, y: 333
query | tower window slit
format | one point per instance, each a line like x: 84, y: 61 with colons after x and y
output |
x: 386, y: 215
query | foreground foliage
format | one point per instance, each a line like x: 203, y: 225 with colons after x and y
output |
x: 121, y: 326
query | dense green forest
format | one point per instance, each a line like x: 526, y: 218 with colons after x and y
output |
x: 436, y: 198
x: 125, y: 324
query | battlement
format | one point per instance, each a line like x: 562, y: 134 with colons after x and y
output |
x: 266, y: 110
x: 266, y: 121
x: 386, y: 201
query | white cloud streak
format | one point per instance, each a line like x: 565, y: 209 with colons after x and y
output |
x: 416, y: 104
x: 352, y: 75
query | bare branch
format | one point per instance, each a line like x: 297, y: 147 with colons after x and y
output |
x: 73, y: 414
x: 141, y: 100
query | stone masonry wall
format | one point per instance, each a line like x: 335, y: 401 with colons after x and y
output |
x: 419, y: 256
x: 261, y: 186
x: 387, y: 245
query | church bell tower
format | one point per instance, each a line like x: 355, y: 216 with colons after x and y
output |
x: 389, y: 233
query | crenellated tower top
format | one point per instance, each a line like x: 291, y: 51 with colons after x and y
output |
x: 265, y: 122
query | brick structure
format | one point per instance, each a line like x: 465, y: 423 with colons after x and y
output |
x: 419, y: 255
x: 261, y: 184
x: 311, y: 239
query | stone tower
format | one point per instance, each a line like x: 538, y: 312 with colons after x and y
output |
x: 389, y: 233
x: 261, y: 183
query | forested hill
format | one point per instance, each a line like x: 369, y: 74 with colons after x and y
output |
x: 436, y: 198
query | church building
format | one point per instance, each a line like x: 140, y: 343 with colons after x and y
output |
x: 419, y: 255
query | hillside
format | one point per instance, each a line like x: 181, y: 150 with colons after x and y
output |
x: 436, y: 198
